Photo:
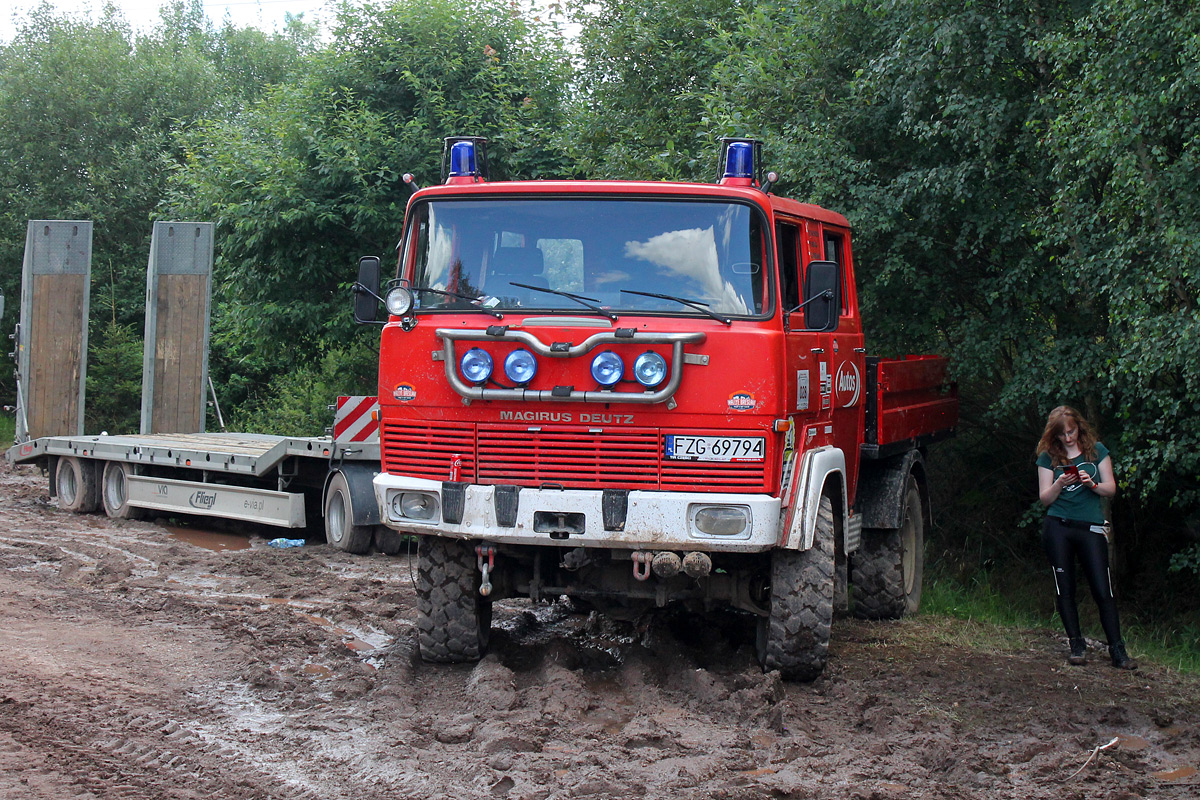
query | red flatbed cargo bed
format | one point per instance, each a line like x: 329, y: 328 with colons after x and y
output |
x: 909, y: 404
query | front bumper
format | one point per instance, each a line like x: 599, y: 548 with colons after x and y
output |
x: 652, y: 520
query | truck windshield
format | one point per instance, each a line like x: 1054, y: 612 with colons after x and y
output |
x: 707, y: 252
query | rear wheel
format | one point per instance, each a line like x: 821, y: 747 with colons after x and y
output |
x: 453, y: 620
x: 889, y: 565
x: 794, y: 637
x: 76, y: 485
x: 114, y: 492
x: 340, y: 530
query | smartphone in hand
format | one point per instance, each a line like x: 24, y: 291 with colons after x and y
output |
x: 1072, y: 470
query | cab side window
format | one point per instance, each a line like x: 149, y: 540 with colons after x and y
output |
x: 835, y: 249
x: 788, y: 238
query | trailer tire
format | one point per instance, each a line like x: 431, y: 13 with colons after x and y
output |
x: 76, y: 485
x: 388, y: 541
x: 114, y: 492
x: 453, y: 620
x: 340, y: 530
x: 794, y: 637
x: 889, y: 564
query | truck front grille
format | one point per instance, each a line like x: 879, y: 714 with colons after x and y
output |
x: 574, y: 458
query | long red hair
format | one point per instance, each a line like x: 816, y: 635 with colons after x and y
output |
x: 1052, y: 444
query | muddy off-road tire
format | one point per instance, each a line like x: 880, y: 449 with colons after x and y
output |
x: 794, y: 637
x: 114, y: 492
x: 453, y: 620
x: 77, y: 485
x: 340, y: 530
x: 887, y: 569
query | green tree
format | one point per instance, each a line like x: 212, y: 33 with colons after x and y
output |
x: 644, y: 74
x: 88, y: 117
x: 309, y: 178
x: 1127, y: 221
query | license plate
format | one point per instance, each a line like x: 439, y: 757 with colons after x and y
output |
x: 716, y: 448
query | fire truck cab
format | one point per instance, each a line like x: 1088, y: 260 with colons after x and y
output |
x: 638, y: 393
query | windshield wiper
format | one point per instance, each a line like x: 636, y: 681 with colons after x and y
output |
x: 701, y: 307
x: 578, y: 298
x: 482, y: 308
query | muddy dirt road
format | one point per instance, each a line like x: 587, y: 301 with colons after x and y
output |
x: 137, y: 661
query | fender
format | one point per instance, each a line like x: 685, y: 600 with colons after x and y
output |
x: 881, y: 488
x: 364, y: 507
x: 816, y: 468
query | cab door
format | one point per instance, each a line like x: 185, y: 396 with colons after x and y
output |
x: 802, y: 366
x: 846, y: 358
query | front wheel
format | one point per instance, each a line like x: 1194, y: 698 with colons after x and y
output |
x: 453, y: 619
x: 794, y: 637
x: 889, y: 565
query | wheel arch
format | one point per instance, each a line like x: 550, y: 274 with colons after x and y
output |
x: 883, y: 486
x: 823, y: 471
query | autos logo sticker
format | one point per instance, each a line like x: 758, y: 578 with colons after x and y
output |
x: 741, y: 401
x: 405, y: 392
x: 849, y: 384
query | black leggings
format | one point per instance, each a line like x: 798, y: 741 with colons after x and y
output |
x: 1063, y: 544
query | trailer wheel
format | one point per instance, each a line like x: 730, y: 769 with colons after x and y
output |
x: 888, y: 567
x: 340, y: 530
x: 114, y: 492
x: 794, y: 637
x: 76, y: 485
x: 453, y: 620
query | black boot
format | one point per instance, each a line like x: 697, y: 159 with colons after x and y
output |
x: 1078, y: 655
x: 1121, y: 659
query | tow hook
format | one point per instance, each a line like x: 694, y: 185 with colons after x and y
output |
x: 641, y: 565
x: 485, y: 551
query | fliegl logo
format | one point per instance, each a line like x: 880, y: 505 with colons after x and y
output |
x: 848, y: 384
x: 203, y: 499
x: 741, y: 401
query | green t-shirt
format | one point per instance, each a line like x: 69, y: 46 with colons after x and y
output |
x: 1078, y: 502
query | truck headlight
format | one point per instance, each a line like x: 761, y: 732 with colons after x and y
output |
x: 414, y: 505
x: 399, y: 301
x: 722, y: 520
x: 650, y: 369
x: 520, y: 366
x: 476, y: 365
x: 607, y: 368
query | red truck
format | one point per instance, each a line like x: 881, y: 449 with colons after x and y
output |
x: 639, y: 393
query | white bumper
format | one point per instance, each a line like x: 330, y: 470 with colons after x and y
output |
x: 653, y: 519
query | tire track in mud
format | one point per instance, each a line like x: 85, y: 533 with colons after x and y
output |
x: 252, y: 688
x: 106, y: 751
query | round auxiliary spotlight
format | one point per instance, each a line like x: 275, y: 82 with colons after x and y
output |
x: 476, y: 365
x: 650, y: 369
x: 520, y: 366
x: 399, y: 301
x: 607, y: 368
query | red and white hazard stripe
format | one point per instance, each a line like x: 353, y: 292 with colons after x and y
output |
x: 356, y: 419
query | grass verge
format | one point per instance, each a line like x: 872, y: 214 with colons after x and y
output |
x: 1170, y: 641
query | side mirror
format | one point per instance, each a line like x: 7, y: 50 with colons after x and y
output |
x: 822, y: 301
x: 366, y: 290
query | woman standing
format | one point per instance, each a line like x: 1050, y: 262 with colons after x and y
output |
x: 1074, y: 472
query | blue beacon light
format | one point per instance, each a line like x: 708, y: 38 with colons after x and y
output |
x: 462, y: 159
x: 739, y: 160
